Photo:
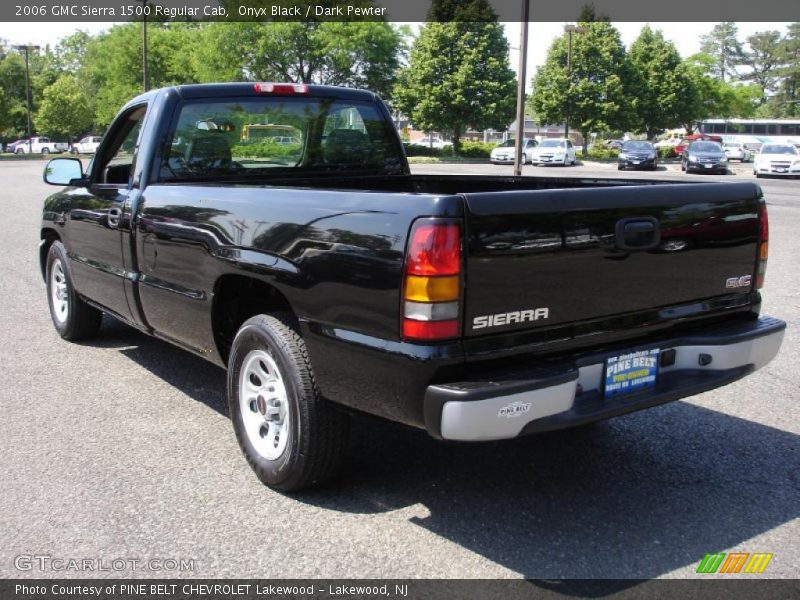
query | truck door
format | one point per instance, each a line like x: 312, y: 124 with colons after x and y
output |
x: 98, y: 215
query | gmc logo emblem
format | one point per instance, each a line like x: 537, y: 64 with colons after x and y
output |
x: 738, y: 282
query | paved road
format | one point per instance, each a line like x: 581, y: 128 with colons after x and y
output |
x: 121, y: 448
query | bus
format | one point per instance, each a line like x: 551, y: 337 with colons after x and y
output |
x: 753, y: 133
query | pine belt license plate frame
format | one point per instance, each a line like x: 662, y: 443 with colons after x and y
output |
x: 631, y: 372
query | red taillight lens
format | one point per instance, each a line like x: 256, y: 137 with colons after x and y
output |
x: 763, y: 246
x: 432, y: 288
x: 435, y: 249
x: 281, y: 89
x: 430, y: 330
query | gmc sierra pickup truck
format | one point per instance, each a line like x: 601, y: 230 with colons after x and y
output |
x: 327, y: 279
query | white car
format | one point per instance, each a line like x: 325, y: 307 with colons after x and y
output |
x: 737, y: 151
x: 777, y: 159
x: 434, y: 142
x: 668, y: 143
x: 506, y: 152
x: 87, y: 145
x: 557, y: 151
x: 40, y: 145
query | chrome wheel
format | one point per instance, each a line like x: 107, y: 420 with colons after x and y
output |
x: 264, y: 405
x: 59, y: 294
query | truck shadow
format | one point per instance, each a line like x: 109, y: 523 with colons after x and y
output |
x: 636, y: 497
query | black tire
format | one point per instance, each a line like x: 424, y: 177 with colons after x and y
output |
x: 81, y: 320
x: 45, y: 150
x: 317, y: 432
x: 620, y: 168
x: 19, y: 151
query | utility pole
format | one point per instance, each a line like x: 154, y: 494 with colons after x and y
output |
x: 145, y: 10
x: 570, y: 29
x: 26, y: 48
x: 523, y: 62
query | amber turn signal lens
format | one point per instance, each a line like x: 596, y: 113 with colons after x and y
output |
x: 432, y: 289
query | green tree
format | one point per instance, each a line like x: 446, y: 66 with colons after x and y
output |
x: 64, y: 110
x: 13, y: 122
x: 596, y: 94
x: 356, y: 54
x: 786, y: 102
x: 763, y: 60
x: 458, y: 74
x: 722, y: 44
x: 658, y: 81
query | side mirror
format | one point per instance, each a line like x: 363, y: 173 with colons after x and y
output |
x: 63, y: 171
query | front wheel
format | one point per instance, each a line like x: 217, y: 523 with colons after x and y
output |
x: 291, y: 437
x: 45, y: 150
x: 73, y: 318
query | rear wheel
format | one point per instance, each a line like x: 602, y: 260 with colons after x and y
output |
x: 291, y: 437
x: 73, y: 318
x: 45, y: 150
x: 20, y: 151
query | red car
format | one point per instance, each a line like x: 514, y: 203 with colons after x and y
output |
x: 693, y: 138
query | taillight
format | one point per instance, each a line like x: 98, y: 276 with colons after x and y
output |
x: 763, y: 246
x: 281, y: 89
x: 432, y: 286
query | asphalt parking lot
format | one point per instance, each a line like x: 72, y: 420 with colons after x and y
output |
x: 121, y: 448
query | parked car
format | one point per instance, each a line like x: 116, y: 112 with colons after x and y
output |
x: 87, y: 145
x: 506, y: 152
x: 40, y: 145
x: 471, y: 307
x: 12, y: 147
x: 679, y: 149
x: 553, y: 151
x: 637, y: 155
x: 777, y: 159
x: 737, y: 151
x: 432, y: 142
x: 704, y: 156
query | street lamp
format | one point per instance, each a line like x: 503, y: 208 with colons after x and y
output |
x: 26, y: 48
x: 144, y: 43
x: 523, y: 57
x: 570, y: 29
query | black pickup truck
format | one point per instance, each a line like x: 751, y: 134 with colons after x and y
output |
x: 276, y: 230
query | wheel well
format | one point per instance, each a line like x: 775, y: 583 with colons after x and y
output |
x: 236, y: 299
x: 48, y: 236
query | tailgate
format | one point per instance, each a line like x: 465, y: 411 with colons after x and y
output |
x: 542, y: 258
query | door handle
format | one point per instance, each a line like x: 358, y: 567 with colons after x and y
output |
x: 114, y: 215
x: 638, y: 233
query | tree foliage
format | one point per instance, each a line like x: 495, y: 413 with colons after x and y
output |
x: 65, y: 110
x: 356, y: 54
x: 458, y: 74
x: 595, y: 95
x: 723, y: 45
x: 660, y: 85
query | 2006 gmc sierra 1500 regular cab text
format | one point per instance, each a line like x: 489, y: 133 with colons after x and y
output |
x: 304, y: 257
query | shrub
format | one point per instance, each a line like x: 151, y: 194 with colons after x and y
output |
x: 266, y: 149
x: 423, y: 150
x: 600, y: 153
x: 667, y: 152
x: 476, y: 149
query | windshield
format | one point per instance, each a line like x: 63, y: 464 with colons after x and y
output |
x: 734, y: 146
x: 705, y: 147
x: 552, y: 144
x: 253, y: 137
x: 508, y: 144
x: 644, y: 146
x: 778, y: 150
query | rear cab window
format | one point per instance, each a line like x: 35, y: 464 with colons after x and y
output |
x: 275, y: 137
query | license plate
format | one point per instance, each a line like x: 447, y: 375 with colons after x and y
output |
x: 631, y: 372
x: 780, y: 170
x: 708, y: 166
x: 636, y: 162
